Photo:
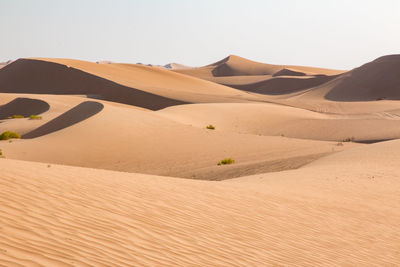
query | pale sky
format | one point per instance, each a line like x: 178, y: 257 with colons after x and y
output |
x: 335, y: 34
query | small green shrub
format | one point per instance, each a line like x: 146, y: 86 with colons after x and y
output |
x: 35, y: 117
x: 210, y: 127
x: 17, y: 116
x: 1, y: 153
x: 226, y: 161
x: 8, y: 135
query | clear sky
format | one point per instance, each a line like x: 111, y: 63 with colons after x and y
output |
x: 337, y: 34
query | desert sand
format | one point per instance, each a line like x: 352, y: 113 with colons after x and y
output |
x: 120, y: 169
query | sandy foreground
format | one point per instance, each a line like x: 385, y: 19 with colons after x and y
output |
x: 102, y: 178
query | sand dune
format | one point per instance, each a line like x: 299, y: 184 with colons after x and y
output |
x: 281, y: 85
x: 238, y: 66
x: 303, y: 217
x: 130, y: 139
x: 289, y: 72
x: 277, y: 120
x: 129, y: 84
x: 377, y: 80
x: 367, y: 89
x: 298, y: 197
x: 244, y: 74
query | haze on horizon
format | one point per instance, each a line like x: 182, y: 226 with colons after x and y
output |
x: 338, y: 34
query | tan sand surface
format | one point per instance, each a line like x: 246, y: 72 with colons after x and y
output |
x: 340, y: 211
x: 99, y: 179
x: 131, y: 139
x: 277, y: 120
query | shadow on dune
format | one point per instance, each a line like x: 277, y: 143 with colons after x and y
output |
x: 42, y: 77
x: 376, y: 80
x: 288, y: 72
x: 75, y: 115
x: 23, y: 106
x: 283, y: 85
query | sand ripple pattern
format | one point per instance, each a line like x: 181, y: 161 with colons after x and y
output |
x: 70, y: 216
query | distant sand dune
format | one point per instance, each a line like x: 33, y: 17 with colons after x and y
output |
x: 288, y: 72
x: 23, y: 106
x: 377, y: 80
x: 41, y: 77
x: 244, y: 74
x: 283, y: 84
x: 238, y: 66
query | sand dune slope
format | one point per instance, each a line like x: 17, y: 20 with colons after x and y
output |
x: 371, y: 88
x: 276, y: 120
x: 307, y: 217
x: 120, y: 137
x: 142, y: 86
x: 247, y: 75
x: 376, y: 80
x: 280, y: 85
x: 238, y: 66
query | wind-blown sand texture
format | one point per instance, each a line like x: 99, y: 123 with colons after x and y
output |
x: 102, y: 178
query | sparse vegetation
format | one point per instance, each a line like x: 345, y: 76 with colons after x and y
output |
x: 35, y: 117
x: 8, y: 135
x: 17, y: 117
x: 210, y: 127
x: 226, y: 161
x: 348, y: 139
x: 339, y: 144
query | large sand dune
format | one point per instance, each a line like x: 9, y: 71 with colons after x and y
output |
x: 244, y: 74
x: 376, y: 80
x: 238, y: 66
x: 142, y: 86
x: 95, y: 181
x: 333, y: 212
x: 130, y: 139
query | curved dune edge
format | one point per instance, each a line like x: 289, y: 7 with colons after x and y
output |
x: 288, y: 72
x: 283, y: 85
x: 376, y: 80
x: 23, y: 106
x: 60, y: 79
x: 238, y: 66
x: 75, y: 115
